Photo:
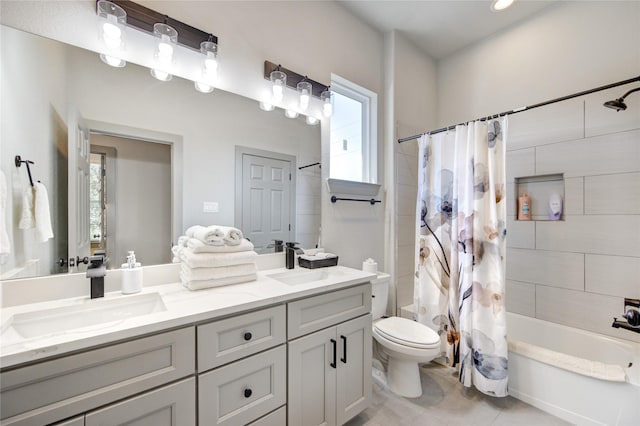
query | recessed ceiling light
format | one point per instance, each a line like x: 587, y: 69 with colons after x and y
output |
x: 498, y: 5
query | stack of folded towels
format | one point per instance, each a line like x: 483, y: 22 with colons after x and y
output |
x: 214, y: 256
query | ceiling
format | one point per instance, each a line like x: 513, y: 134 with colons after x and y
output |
x: 441, y: 27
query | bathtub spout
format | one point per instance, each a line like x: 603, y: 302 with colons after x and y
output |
x: 623, y: 324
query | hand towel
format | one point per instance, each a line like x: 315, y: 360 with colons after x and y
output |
x: 42, y: 213
x: 201, y: 274
x: 5, y: 243
x: 207, y: 235
x: 232, y: 236
x: 198, y: 246
x: 27, y: 218
x: 212, y: 260
x: 198, y: 285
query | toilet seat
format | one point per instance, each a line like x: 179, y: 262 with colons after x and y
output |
x: 407, y: 333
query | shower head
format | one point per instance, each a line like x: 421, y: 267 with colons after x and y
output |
x: 618, y: 104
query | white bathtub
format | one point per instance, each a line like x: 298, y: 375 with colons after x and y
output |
x: 582, y: 377
x: 579, y: 376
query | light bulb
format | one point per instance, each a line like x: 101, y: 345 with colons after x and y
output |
x: 161, y: 75
x: 498, y: 5
x: 278, y: 91
x: 304, y: 89
x: 165, y: 51
x: 327, y: 107
x: 291, y: 113
x: 312, y: 121
x: 211, y: 64
x: 113, y: 61
x: 203, y: 87
x: 279, y: 81
x: 266, y: 106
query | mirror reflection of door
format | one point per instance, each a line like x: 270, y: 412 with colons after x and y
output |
x: 267, y: 197
x: 78, y: 184
x: 130, y: 193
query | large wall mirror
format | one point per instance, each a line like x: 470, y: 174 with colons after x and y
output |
x: 159, y: 156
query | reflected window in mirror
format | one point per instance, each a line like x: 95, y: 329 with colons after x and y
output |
x: 97, y: 193
x: 353, y: 150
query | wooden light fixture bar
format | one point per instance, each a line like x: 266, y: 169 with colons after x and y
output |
x: 293, y: 78
x: 143, y: 19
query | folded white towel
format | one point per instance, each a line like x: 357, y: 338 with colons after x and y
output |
x: 198, y: 285
x: 216, y: 235
x: 318, y: 256
x: 27, y: 218
x: 200, y: 274
x: 5, y: 243
x: 198, y: 246
x: 212, y: 260
x: 42, y: 213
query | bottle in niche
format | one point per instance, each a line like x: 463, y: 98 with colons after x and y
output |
x: 524, y: 207
x: 555, y: 207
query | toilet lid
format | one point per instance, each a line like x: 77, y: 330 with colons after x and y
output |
x: 407, y: 332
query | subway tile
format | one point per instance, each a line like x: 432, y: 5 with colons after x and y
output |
x: 612, y: 194
x: 587, y: 311
x: 613, y: 275
x: 611, y: 234
x: 600, y: 120
x: 521, y: 234
x: 521, y: 298
x: 558, y: 122
x: 607, y: 154
x: 406, y: 169
x: 406, y: 196
x: 553, y: 268
x: 573, y: 196
x: 520, y: 163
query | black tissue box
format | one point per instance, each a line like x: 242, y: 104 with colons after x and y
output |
x: 320, y: 263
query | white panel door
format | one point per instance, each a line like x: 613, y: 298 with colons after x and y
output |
x: 78, y: 176
x: 266, y: 200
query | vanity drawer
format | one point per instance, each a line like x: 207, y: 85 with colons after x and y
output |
x: 243, y: 391
x: 224, y: 341
x: 315, y: 313
x: 53, y: 390
x: 277, y: 418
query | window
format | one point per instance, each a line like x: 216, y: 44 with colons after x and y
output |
x: 353, y: 135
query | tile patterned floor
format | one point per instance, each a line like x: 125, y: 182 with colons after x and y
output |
x: 445, y: 402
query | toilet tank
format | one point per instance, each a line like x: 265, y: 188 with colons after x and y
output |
x: 380, y: 295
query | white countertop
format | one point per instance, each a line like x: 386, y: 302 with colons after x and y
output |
x: 183, y: 307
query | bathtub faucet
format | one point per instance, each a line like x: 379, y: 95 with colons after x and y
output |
x: 631, y: 316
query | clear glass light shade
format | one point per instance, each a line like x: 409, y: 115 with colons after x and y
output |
x: 327, y: 107
x: 161, y: 75
x: 266, y: 106
x: 312, y: 121
x: 209, y: 67
x: 279, y: 82
x: 304, y: 91
x: 112, y: 61
x: 289, y: 113
x: 113, y: 20
x: 166, y: 39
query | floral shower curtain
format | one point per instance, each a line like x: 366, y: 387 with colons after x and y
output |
x: 460, y: 249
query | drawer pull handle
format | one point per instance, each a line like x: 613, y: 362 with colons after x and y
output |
x: 334, y: 344
x: 247, y: 392
x: 344, y: 349
x: 247, y: 336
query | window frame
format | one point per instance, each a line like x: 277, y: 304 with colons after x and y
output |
x: 369, y: 147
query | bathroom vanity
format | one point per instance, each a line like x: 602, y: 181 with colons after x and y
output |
x: 292, y: 347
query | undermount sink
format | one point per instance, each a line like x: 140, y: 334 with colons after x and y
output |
x: 300, y: 276
x: 92, y: 313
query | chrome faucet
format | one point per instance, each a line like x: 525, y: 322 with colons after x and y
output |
x: 631, y: 316
x: 290, y: 254
x: 96, y: 271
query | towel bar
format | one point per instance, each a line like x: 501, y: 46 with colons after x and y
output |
x: 372, y: 201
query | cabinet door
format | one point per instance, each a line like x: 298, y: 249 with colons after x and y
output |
x: 173, y: 405
x: 353, y: 392
x: 312, y: 379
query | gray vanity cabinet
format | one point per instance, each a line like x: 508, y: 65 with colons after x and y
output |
x: 329, y: 379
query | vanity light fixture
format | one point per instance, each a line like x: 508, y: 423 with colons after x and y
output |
x: 112, y: 24
x: 166, y: 39
x: 209, y: 68
x: 304, y: 90
x: 498, y: 5
x: 327, y: 106
x: 279, y: 82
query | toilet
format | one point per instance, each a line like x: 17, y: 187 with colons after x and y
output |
x: 406, y: 343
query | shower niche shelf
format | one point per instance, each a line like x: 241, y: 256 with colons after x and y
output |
x: 539, y: 189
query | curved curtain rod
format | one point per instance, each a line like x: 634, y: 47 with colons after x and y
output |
x: 525, y: 108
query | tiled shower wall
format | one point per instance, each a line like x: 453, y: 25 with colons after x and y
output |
x: 576, y: 271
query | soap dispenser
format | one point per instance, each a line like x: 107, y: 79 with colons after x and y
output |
x: 131, y: 275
